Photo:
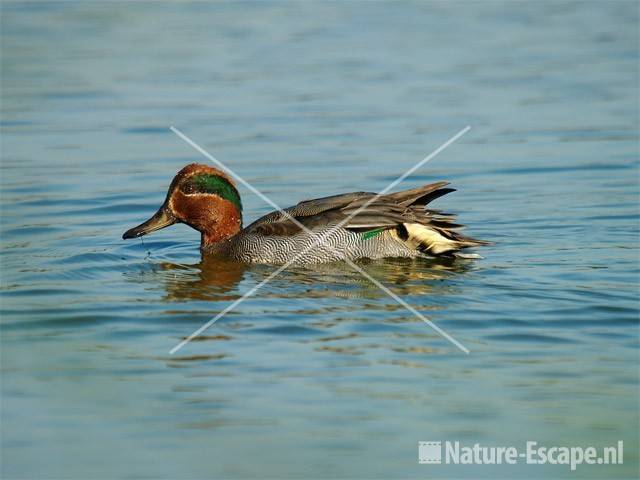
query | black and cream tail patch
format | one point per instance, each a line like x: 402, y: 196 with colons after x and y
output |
x: 435, y: 241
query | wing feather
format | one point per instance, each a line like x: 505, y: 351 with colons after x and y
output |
x: 387, y: 211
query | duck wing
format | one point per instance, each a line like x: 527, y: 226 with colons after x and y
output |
x: 367, y: 211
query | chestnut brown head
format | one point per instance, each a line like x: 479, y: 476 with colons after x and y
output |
x: 204, y: 198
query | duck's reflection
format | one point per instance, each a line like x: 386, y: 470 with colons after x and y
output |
x: 404, y: 276
x: 210, y: 279
x: 215, y: 278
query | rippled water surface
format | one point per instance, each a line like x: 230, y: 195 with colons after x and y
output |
x: 319, y: 374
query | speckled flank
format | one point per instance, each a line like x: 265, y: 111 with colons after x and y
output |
x: 327, y: 245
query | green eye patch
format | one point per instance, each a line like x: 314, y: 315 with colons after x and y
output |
x: 207, y: 183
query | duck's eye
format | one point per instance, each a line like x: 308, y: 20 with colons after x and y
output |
x: 188, y: 188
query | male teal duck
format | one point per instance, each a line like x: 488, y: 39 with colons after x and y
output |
x: 393, y: 225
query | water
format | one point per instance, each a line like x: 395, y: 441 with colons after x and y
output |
x: 319, y: 374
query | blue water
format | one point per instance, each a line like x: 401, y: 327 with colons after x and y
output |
x: 320, y: 374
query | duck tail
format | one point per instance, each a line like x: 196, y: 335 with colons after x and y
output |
x: 437, y: 241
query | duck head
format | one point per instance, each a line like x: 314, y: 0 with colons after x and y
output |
x: 204, y: 198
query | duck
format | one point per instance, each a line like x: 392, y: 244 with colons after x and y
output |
x: 349, y: 226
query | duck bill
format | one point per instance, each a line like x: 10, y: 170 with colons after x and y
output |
x: 161, y: 219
